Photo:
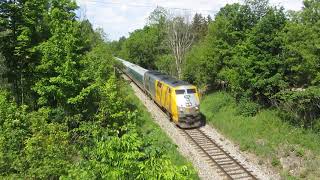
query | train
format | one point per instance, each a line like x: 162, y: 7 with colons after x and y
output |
x: 179, y: 99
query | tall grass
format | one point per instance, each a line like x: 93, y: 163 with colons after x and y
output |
x: 264, y: 134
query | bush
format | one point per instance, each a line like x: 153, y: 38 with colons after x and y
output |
x: 316, y: 126
x: 14, y: 130
x: 247, y: 108
x: 47, y: 152
x: 166, y: 63
x: 300, y: 107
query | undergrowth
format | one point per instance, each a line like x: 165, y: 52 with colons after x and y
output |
x: 293, y: 151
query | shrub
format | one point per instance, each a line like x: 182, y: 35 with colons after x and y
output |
x: 247, y: 108
x: 300, y: 107
x: 316, y: 126
x: 14, y: 130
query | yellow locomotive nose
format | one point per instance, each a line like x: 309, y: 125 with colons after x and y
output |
x: 187, y: 101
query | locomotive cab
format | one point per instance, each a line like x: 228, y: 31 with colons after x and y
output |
x: 188, y: 106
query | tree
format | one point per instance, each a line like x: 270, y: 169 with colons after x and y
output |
x: 257, y: 70
x: 209, y: 19
x: 82, y: 125
x: 180, y: 39
x: 141, y: 47
x: 24, y: 22
x: 117, y: 45
x: 158, y: 17
x: 300, y: 55
x: 3, y: 71
x: 199, y: 27
x: 207, y: 61
x: 310, y: 13
x: 258, y: 7
x: 59, y: 66
x: 14, y: 130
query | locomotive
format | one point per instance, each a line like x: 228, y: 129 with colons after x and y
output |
x: 179, y: 99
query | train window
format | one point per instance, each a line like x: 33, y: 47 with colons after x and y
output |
x: 191, y: 91
x: 181, y: 91
x: 159, y: 84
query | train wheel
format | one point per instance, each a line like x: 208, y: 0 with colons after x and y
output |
x: 169, y: 116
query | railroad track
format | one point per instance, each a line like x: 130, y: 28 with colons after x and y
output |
x: 216, y: 156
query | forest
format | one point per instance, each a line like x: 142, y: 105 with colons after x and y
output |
x: 263, y: 55
x: 63, y: 112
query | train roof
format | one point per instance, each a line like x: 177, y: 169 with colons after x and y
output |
x: 157, y: 74
x: 130, y: 65
x: 168, y: 79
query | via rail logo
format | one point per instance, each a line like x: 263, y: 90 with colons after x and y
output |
x: 188, y: 101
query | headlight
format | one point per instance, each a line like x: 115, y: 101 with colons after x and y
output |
x: 181, y: 109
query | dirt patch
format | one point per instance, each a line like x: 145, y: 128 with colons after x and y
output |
x: 298, y: 162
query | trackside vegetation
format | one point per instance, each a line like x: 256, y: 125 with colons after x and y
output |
x: 259, y: 53
x: 62, y: 113
x: 277, y: 144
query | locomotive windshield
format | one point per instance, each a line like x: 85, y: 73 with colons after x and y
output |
x: 180, y: 91
x: 186, y: 98
x: 191, y: 91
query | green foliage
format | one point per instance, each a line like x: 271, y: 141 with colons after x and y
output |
x: 116, y: 46
x: 142, y: 47
x: 3, y: 70
x: 256, y: 64
x: 247, y: 108
x: 166, y: 63
x: 301, y: 56
x: 316, y: 126
x: 29, y: 144
x: 275, y: 162
x: 112, y: 110
x: 300, y: 107
x: 264, y: 134
x: 60, y: 58
x: 97, y: 65
x: 110, y: 157
x: 66, y: 116
x: 124, y: 157
x: 76, y: 123
x: 148, y: 47
x: 25, y: 27
x: 114, y: 150
x: 48, y: 152
x: 199, y: 27
x: 310, y: 13
x: 207, y: 60
x: 261, y: 54
x: 14, y: 130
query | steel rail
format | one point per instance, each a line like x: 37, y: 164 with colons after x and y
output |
x: 224, y: 161
x: 228, y: 155
x: 207, y: 154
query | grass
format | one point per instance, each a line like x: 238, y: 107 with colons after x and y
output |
x: 293, y: 151
x: 154, y: 133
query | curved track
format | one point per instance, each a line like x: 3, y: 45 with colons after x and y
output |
x: 216, y: 156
